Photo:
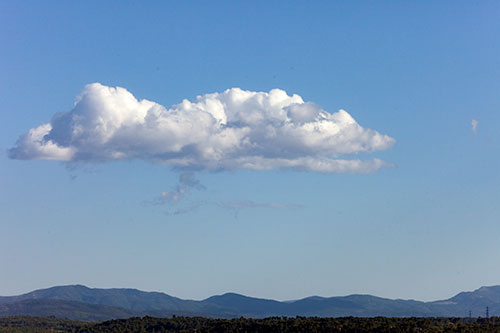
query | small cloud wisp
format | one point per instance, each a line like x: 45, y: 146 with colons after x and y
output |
x: 474, y: 124
x: 234, y: 206
x: 187, y: 181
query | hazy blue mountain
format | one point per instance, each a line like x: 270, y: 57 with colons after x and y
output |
x: 359, y: 305
x: 83, y: 311
x: 64, y: 309
x: 475, y: 301
x: 231, y: 304
x: 483, y: 296
x: 125, y: 298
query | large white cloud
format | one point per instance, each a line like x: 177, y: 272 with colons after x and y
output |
x: 235, y: 129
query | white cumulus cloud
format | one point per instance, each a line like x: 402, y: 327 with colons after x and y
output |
x: 235, y: 129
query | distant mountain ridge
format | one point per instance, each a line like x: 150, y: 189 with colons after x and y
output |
x: 132, y: 299
x: 120, y: 303
x: 64, y: 309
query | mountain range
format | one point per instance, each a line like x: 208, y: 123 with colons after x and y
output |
x: 82, y: 303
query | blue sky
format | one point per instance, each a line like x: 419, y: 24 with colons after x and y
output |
x: 424, y: 228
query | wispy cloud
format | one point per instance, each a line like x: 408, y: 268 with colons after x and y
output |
x: 75, y: 168
x: 235, y: 129
x: 238, y: 206
x: 235, y: 206
x: 246, y: 204
x: 188, y: 209
x: 474, y: 124
x: 187, y: 181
